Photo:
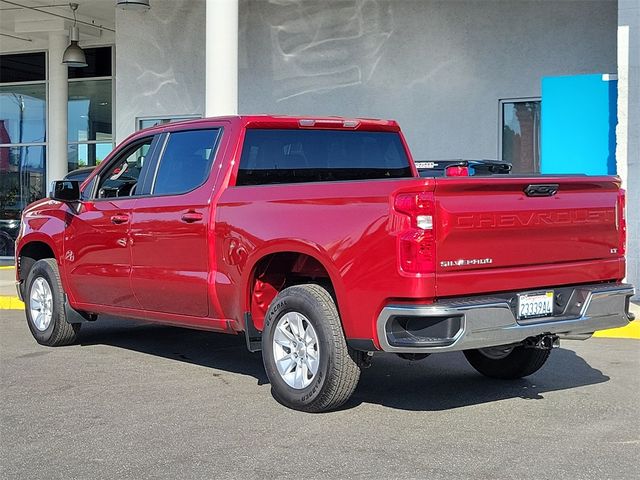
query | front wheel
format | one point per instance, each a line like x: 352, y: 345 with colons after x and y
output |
x: 304, y: 351
x: 44, y: 305
x: 507, y: 361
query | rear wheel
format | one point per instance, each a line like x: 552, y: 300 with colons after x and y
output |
x: 507, y: 361
x: 305, y: 355
x: 44, y: 306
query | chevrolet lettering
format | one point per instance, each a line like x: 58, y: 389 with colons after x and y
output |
x: 535, y: 219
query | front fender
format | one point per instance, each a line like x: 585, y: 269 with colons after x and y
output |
x: 44, y: 222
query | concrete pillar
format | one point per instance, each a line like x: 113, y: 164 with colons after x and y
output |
x: 57, y: 166
x: 221, y: 58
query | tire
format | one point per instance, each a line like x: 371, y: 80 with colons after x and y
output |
x: 512, y: 363
x: 309, y: 308
x: 43, y: 291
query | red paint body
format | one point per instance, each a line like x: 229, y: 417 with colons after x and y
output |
x: 200, y: 273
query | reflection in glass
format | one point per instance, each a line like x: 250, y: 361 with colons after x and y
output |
x: 90, y: 109
x: 521, y: 135
x: 87, y: 154
x: 98, y: 64
x: 152, y: 122
x: 21, y: 182
x: 22, y: 113
x: 22, y: 67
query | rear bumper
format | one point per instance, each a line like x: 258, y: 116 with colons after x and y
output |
x: 486, y: 321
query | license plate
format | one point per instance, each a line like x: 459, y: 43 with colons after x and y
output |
x: 533, y: 305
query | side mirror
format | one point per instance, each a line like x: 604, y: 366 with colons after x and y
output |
x: 65, y: 191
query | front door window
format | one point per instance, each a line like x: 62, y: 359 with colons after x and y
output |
x: 121, y: 179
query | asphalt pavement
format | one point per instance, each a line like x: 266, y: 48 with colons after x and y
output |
x: 134, y: 400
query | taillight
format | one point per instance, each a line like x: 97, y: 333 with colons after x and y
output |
x: 457, y: 171
x: 416, y: 245
x: 622, y: 222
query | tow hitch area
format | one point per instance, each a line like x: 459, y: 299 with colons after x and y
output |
x: 543, y: 342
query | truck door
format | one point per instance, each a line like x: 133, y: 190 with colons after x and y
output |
x: 170, y: 226
x: 97, y: 254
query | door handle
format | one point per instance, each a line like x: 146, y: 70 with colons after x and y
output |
x: 191, y: 217
x: 120, y: 218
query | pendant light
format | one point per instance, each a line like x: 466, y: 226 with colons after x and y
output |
x: 74, y: 56
x: 133, y: 4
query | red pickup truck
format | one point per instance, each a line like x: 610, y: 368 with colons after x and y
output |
x: 317, y: 239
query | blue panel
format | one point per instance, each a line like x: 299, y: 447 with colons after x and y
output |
x: 579, y: 116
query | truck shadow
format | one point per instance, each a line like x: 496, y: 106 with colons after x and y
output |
x: 440, y: 382
x: 217, y: 351
x: 446, y: 381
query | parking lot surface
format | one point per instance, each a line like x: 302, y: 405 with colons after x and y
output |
x: 134, y: 400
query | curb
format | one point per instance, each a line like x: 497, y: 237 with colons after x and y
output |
x: 630, y: 331
x: 8, y: 302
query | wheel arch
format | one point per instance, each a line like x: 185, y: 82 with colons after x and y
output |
x: 29, y: 251
x: 276, y: 268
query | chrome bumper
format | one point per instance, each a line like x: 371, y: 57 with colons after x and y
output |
x: 487, y: 321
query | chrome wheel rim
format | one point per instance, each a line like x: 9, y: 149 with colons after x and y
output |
x: 41, y: 303
x: 497, y: 353
x: 296, y: 350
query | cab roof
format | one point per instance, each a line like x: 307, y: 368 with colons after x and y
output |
x: 284, y: 122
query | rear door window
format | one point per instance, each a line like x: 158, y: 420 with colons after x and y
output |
x: 186, y: 161
x: 295, y: 156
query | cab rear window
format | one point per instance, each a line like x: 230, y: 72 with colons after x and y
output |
x: 296, y: 156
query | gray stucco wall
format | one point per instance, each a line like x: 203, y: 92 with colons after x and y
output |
x: 159, y: 62
x: 629, y: 14
x: 438, y: 67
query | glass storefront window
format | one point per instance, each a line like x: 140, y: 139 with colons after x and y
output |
x: 99, y: 64
x: 23, y: 113
x: 90, y: 122
x: 21, y: 182
x: 23, y: 67
x: 521, y: 135
x: 23, y: 128
x: 87, y: 154
x: 90, y: 111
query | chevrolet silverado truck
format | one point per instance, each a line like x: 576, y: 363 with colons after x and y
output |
x: 317, y: 240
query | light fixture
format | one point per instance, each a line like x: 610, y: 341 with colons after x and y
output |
x: 133, y: 4
x: 73, y: 55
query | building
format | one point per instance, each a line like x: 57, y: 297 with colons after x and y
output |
x: 463, y: 77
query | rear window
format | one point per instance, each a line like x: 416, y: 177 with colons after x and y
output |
x: 296, y: 156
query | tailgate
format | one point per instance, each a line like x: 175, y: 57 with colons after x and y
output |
x: 498, y: 234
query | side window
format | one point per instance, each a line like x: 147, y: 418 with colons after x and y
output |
x: 186, y: 161
x: 121, y: 178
